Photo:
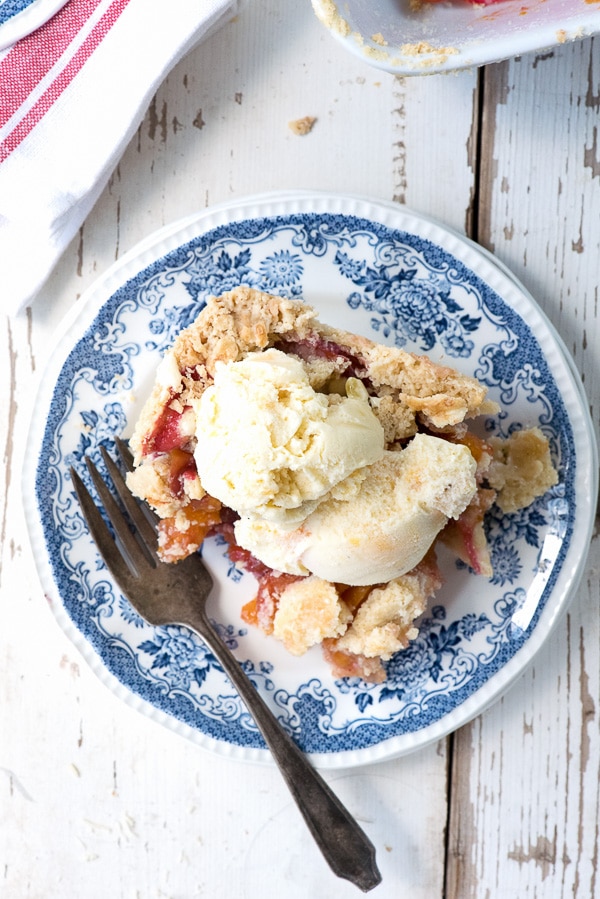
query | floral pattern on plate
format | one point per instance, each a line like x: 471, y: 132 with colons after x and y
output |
x: 396, y: 278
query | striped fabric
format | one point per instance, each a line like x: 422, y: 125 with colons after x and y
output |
x: 72, y: 94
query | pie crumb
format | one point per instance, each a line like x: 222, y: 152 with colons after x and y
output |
x: 309, y: 611
x: 522, y: 469
x: 302, y: 126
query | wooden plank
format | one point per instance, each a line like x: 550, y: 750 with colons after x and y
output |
x: 541, y: 187
x: 435, y: 140
x: 106, y: 802
x: 525, y: 796
x: 219, y: 127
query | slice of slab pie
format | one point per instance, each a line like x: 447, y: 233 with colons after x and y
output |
x: 331, y: 464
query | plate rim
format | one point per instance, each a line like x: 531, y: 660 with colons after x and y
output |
x: 84, y: 311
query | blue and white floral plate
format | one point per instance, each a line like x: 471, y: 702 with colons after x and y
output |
x: 397, y: 277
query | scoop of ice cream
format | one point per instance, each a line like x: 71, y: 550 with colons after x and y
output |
x: 270, y: 446
x: 383, y: 531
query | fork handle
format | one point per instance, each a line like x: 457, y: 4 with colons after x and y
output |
x: 346, y: 848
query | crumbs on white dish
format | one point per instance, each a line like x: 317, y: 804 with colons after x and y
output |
x: 327, y: 12
x: 430, y: 55
x: 423, y: 53
x: 379, y: 39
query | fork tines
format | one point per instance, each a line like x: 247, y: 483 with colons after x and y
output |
x: 139, y: 554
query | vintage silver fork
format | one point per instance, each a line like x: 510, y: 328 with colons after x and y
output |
x: 176, y: 594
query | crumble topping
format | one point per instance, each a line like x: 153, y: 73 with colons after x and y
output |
x: 309, y: 611
x: 522, y: 469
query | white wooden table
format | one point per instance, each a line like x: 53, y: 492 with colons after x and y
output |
x: 96, y: 801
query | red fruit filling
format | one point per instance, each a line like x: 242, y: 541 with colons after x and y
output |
x: 346, y: 664
x: 198, y: 518
x: 181, y: 465
x: 166, y: 434
x: 466, y: 536
x: 318, y: 347
x: 259, y: 611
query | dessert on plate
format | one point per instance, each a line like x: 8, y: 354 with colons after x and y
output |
x: 331, y: 464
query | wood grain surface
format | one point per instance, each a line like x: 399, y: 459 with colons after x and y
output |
x: 97, y: 802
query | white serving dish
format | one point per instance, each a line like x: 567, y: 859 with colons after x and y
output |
x: 416, y: 37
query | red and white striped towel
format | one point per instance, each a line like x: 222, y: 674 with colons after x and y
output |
x: 72, y: 94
